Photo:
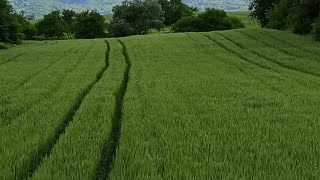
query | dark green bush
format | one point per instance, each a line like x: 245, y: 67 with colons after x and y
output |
x: 89, y: 25
x: 137, y: 17
x: 3, y: 46
x: 52, y: 26
x: 209, y: 20
x: 10, y: 29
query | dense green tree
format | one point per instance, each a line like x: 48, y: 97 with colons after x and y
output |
x: 10, y: 29
x: 210, y: 20
x: 305, y: 15
x: 175, y: 10
x: 52, y: 25
x: 136, y: 17
x: 89, y: 25
x: 68, y: 17
x: 27, y: 29
x: 260, y: 8
x: 316, y: 29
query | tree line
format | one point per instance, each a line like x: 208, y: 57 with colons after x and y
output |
x: 300, y: 16
x: 129, y: 18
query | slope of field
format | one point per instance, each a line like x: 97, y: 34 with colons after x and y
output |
x: 240, y: 104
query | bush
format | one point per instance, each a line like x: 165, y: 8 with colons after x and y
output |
x: 52, y: 26
x: 174, y: 10
x: 10, y: 29
x: 137, y: 17
x: 3, y: 46
x: 89, y: 25
x: 210, y: 20
x: 187, y: 24
x: 316, y: 29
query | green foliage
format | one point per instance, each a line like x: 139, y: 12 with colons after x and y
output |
x: 89, y: 25
x: 174, y: 10
x: 297, y: 15
x: 3, y: 45
x: 210, y: 20
x: 306, y: 13
x: 316, y: 29
x: 10, y: 29
x: 28, y: 29
x: 52, y: 25
x: 68, y: 17
x: 136, y: 17
x: 260, y: 8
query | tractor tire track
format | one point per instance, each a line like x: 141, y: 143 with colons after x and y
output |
x: 238, y: 67
x: 283, y: 65
x: 46, y: 149
x: 47, y: 96
x: 109, y: 150
x: 241, y: 69
x: 268, y: 45
x: 311, y: 53
x: 239, y: 55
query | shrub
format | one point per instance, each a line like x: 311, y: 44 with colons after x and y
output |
x: 52, y: 25
x: 174, y: 10
x: 10, y: 29
x: 3, y: 46
x: 89, y: 25
x: 210, y: 20
x: 137, y: 17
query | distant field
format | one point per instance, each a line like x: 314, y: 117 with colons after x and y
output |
x: 240, y: 104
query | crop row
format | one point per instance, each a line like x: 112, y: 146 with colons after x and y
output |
x: 43, y: 85
x: 31, y: 136
x: 223, y: 107
x: 85, y: 151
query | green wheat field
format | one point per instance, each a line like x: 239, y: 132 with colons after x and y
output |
x: 239, y: 104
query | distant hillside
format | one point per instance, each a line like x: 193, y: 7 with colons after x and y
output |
x: 41, y: 7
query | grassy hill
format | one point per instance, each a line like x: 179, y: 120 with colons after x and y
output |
x: 39, y: 8
x: 221, y: 105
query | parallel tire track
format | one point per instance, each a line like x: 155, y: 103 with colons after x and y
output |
x: 46, y: 149
x: 221, y: 45
x: 283, y: 65
x: 290, y: 44
x: 108, y: 154
x: 238, y: 54
x: 268, y: 45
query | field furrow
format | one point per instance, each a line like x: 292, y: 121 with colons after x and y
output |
x: 64, y: 124
x: 306, y: 65
x: 305, y: 44
x: 294, y: 64
x: 272, y: 71
x: 270, y: 44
